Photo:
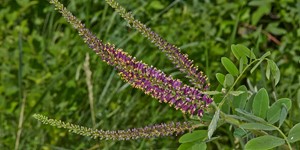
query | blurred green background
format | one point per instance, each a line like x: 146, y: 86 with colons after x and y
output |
x: 51, y: 80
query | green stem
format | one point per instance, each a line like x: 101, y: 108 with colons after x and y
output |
x: 22, y: 99
x: 282, y: 134
x: 235, y: 82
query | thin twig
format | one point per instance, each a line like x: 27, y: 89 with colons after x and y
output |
x: 20, y: 125
x: 269, y: 35
x: 21, y: 95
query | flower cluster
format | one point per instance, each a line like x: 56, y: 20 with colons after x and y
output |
x: 180, y: 60
x: 150, y: 80
x: 135, y: 133
x: 147, y: 78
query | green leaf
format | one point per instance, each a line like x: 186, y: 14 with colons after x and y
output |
x: 273, y: 114
x: 294, y: 135
x: 240, y: 51
x: 250, y: 116
x: 186, y: 146
x: 212, y: 139
x: 283, y: 114
x: 229, y: 66
x: 262, y: 10
x: 242, y: 117
x: 259, y: 2
x: 220, y: 77
x: 274, y: 70
x: 199, y: 146
x: 259, y: 62
x: 261, y: 103
x: 274, y: 29
x: 298, y: 98
x: 229, y: 80
x: 243, y: 61
x: 277, y: 31
x: 193, y: 146
x: 241, y: 65
x: 256, y: 126
x: 194, y: 136
x: 264, y: 142
x: 156, y: 5
x: 249, y: 103
x: 213, y: 124
x: 240, y: 101
x: 231, y: 120
x: 238, y: 132
x: 236, y: 93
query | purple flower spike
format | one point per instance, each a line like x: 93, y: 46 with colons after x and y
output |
x: 180, y: 60
x: 193, y: 109
x: 200, y: 113
x: 150, y: 80
x: 185, y: 108
x: 207, y: 100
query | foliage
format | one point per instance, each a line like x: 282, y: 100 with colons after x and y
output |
x: 52, y: 79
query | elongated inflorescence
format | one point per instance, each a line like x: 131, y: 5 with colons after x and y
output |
x: 180, y: 60
x: 164, y: 129
x: 147, y: 78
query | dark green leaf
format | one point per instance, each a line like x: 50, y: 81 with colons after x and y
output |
x: 238, y: 132
x: 244, y: 58
x: 229, y: 80
x: 199, y: 146
x: 262, y: 10
x: 240, y: 101
x: 218, y: 97
x: 261, y: 103
x: 243, y: 61
x: 231, y: 120
x: 249, y: 103
x: 283, y: 114
x: 229, y: 66
x: 256, y: 126
x: 156, y: 5
x: 193, y: 146
x: 274, y: 111
x: 294, y: 135
x: 212, y: 139
x: 274, y: 29
x: 240, y: 51
x: 186, y: 146
x: 241, y: 65
x: 250, y: 116
x: 220, y: 77
x: 213, y: 124
x: 259, y: 2
x: 264, y: 142
x: 277, y: 31
x: 274, y: 70
x: 194, y: 136
x: 298, y: 98
x: 240, y: 117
